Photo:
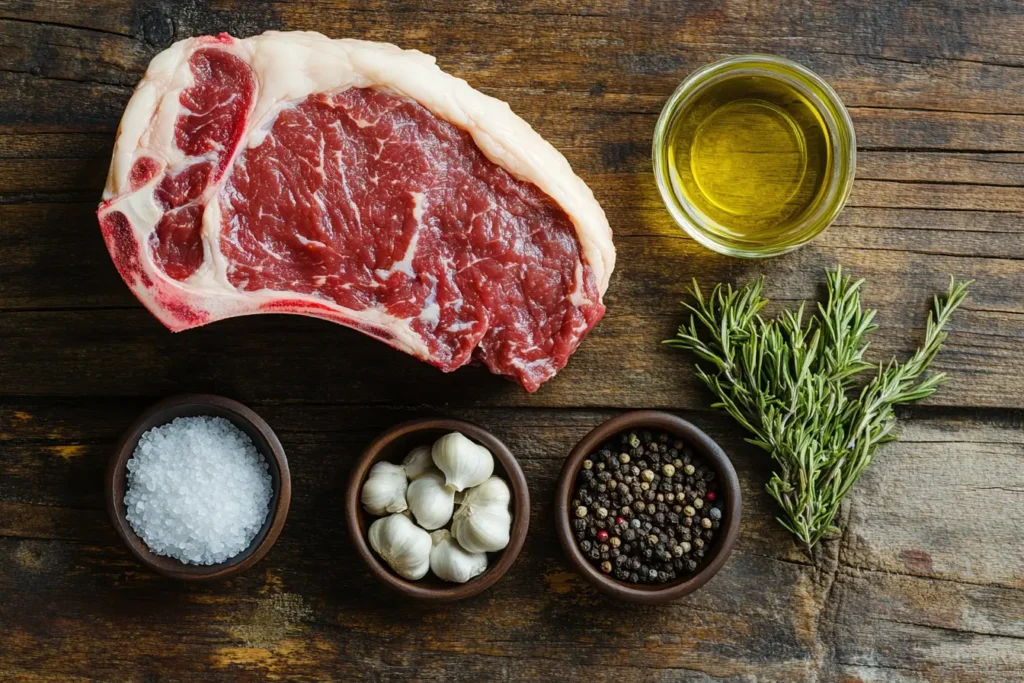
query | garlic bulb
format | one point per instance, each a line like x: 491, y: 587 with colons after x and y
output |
x: 384, y: 489
x: 430, y: 500
x: 464, y: 463
x: 449, y: 561
x: 402, y: 544
x: 418, y: 462
x: 483, y: 521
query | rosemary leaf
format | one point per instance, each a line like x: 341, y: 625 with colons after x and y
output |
x: 791, y: 382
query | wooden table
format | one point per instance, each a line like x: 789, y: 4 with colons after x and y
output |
x: 926, y: 581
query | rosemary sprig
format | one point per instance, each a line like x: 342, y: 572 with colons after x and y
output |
x: 789, y: 381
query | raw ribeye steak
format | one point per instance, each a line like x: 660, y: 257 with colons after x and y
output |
x: 358, y: 183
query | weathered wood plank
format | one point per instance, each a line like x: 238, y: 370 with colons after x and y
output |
x: 125, y: 352
x: 284, y: 617
x: 893, y: 627
x: 934, y: 511
x: 925, y: 584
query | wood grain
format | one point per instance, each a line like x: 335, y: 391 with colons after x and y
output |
x: 925, y: 582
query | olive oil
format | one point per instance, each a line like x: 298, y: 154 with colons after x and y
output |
x: 754, y: 155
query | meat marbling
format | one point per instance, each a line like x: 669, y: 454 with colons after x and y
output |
x: 358, y: 183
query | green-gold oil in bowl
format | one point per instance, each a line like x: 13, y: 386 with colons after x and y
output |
x: 754, y: 155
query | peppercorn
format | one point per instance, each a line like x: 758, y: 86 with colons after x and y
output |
x: 587, y: 464
x: 581, y: 511
x: 710, y: 495
x: 606, y: 567
x: 633, y: 493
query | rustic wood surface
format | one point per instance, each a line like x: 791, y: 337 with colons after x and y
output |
x: 926, y: 582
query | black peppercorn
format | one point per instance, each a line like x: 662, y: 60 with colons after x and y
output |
x: 647, y: 496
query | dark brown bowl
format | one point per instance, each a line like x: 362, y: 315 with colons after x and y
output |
x: 266, y: 442
x: 392, y: 446
x: 729, y: 488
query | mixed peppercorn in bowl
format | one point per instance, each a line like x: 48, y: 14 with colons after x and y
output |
x: 648, y: 507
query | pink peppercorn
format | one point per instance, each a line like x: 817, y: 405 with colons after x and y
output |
x: 710, y: 495
x: 602, y: 536
x: 620, y: 520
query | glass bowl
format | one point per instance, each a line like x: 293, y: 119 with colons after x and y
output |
x: 838, y: 176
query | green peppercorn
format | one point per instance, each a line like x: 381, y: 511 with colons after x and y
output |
x: 647, y: 475
x: 685, y: 545
x: 677, y: 550
x: 644, y: 486
x: 706, y: 522
x: 606, y: 567
x: 698, y: 503
x: 698, y: 542
x: 689, y: 511
x: 581, y: 511
x: 634, y: 441
x: 615, y: 541
x: 669, y: 470
x: 624, y: 458
x: 587, y: 464
x: 652, y: 539
x: 602, y: 512
x: 689, y: 469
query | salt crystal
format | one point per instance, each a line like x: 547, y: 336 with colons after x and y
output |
x: 198, y: 490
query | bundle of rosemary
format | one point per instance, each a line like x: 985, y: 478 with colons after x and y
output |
x: 790, y: 382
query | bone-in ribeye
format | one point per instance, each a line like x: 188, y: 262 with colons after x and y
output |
x: 358, y: 183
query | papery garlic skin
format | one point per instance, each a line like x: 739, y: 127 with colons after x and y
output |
x: 451, y: 562
x: 430, y: 501
x: 418, y: 462
x: 464, y: 463
x: 483, y: 522
x: 403, y: 545
x: 384, y: 489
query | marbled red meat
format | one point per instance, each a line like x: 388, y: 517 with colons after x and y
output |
x: 359, y: 205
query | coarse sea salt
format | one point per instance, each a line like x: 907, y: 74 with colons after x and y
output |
x: 198, y: 490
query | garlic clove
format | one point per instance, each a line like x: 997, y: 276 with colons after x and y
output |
x: 451, y: 562
x: 464, y: 463
x: 482, y: 530
x: 402, y: 544
x: 430, y: 500
x: 418, y: 462
x: 384, y: 489
x: 483, y: 522
x: 494, y: 491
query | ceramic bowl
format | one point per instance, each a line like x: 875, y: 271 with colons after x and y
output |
x: 727, y: 487
x: 266, y: 442
x: 393, y: 445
